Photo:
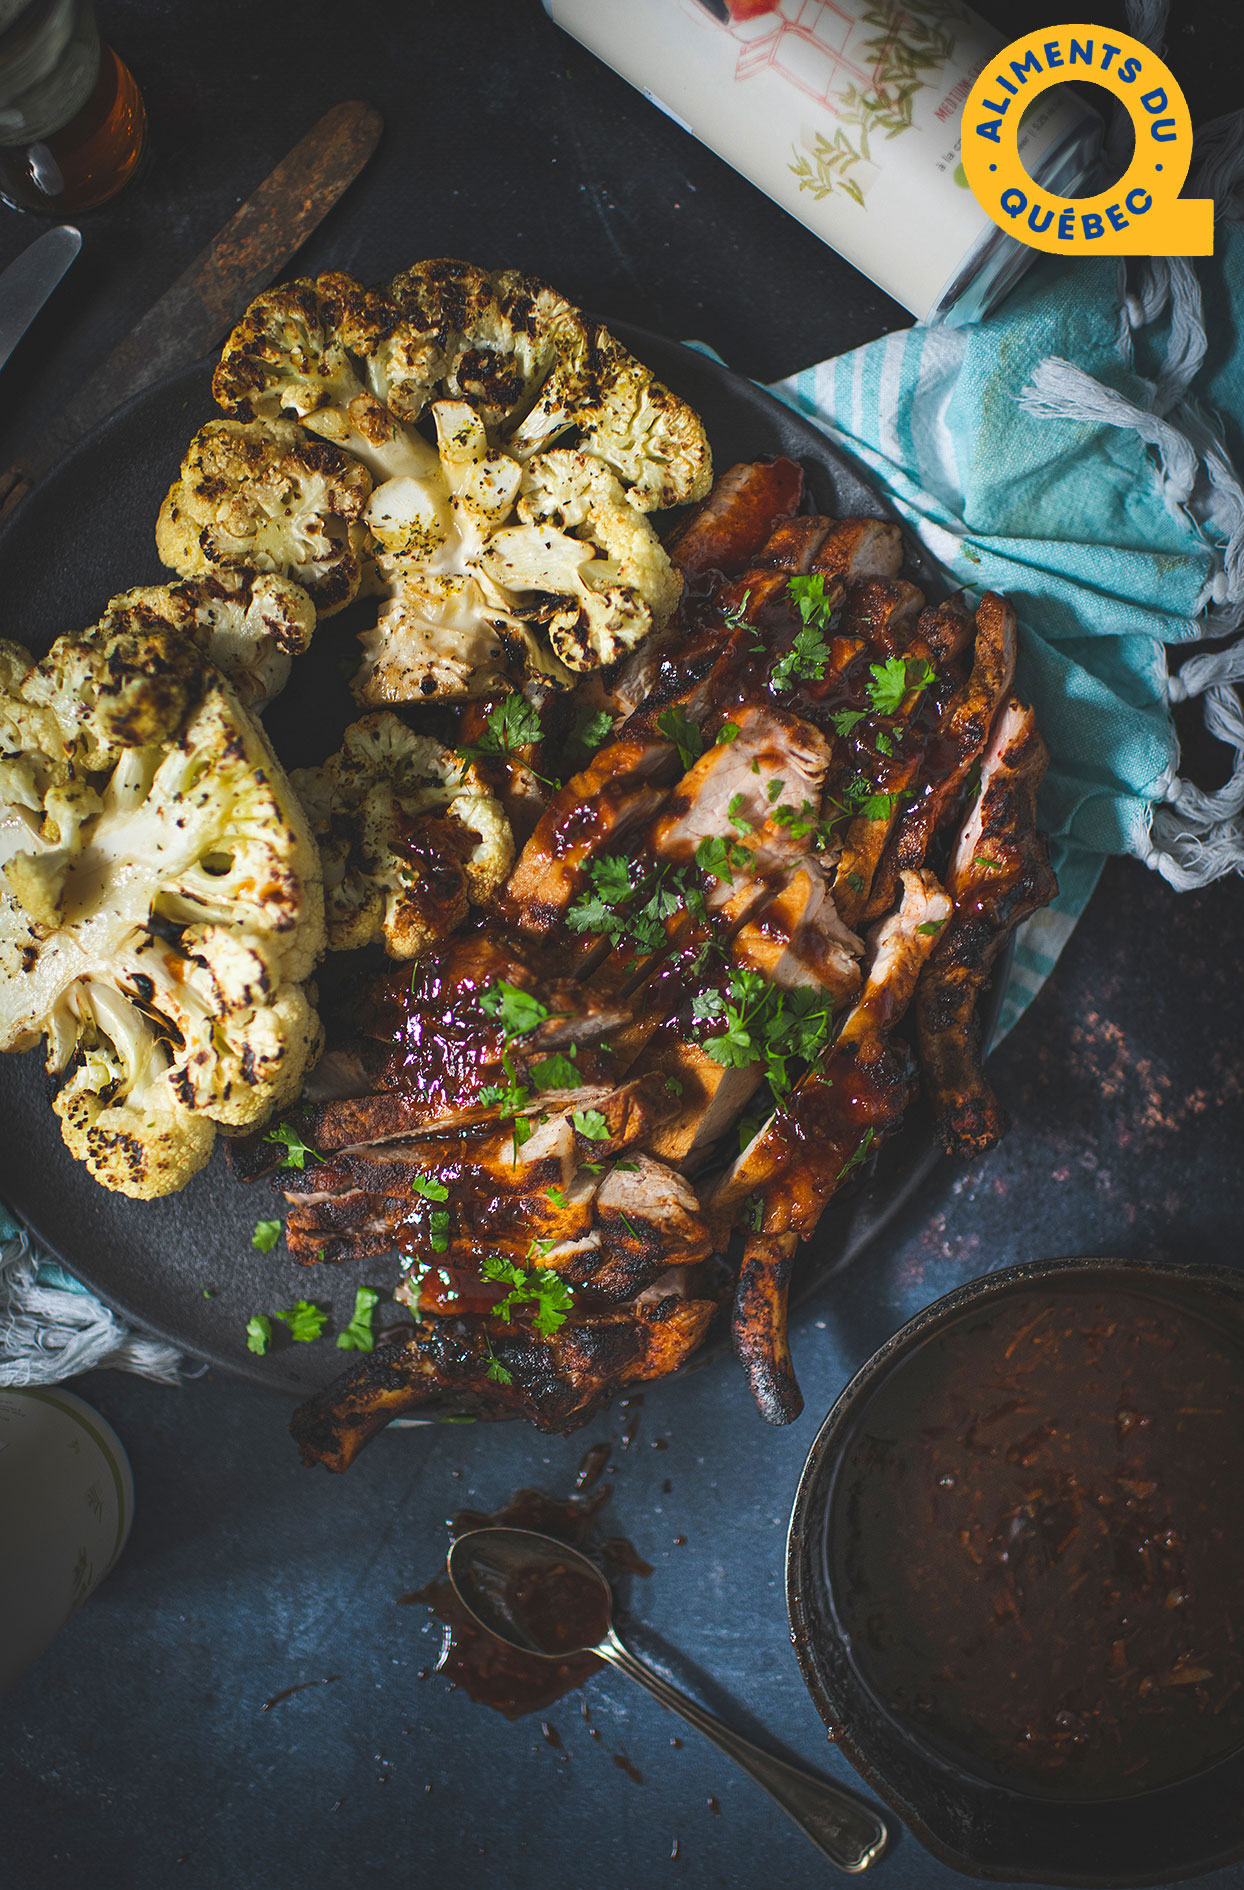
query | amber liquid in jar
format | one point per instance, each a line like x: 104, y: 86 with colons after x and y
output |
x: 72, y: 124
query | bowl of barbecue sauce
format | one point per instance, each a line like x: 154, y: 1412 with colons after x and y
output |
x: 1015, y: 1572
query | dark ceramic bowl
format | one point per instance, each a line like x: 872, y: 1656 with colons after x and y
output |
x: 967, y: 1817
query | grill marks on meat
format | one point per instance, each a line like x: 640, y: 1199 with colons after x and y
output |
x: 557, y: 1384
x: 841, y: 1111
x: 630, y: 1236
x: 999, y: 873
x: 962, y: 737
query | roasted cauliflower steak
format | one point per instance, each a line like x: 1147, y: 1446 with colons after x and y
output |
x: 517, y: 544
x: 160, y: 901
x: 409, y: 837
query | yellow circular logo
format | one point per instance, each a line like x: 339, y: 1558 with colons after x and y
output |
x: 1143, y: 214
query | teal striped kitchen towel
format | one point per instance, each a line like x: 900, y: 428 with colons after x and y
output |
x: 1078, y: 451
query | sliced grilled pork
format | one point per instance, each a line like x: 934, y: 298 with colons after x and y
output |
x: 963, y: 733
x: 556, y: 1383
x: 860, y: 548
x: 737, y: 518
x: 799, y: 938
x: 999, y: 874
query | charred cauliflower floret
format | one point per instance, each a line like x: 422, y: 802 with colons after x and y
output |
x: 652, y: 440
x: 576, y: 580
x: 264, y: 495
x: 409, y: 837
x: 160, y: 904
x: 599, y: 574
x: 289, y: 355
x: 247, y: 625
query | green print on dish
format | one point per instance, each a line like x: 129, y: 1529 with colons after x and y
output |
x: 912, y: 39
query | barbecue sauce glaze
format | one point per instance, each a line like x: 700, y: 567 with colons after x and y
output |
x: 557, y: 1613
x: 1038, y: 1542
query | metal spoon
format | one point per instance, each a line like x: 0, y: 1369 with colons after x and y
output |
x: 544, y: 1598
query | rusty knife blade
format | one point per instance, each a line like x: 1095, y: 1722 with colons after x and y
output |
x: 200, y: 308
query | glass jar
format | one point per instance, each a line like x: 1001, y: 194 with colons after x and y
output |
x: 72, y: 124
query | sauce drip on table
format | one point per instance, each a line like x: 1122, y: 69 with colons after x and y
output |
x: 558, y: 1609
x: 1038, y: 1542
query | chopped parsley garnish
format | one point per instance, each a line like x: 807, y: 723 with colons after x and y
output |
x: 879, y: 805
x: 509, y: 1096
x: 540, y: 1287
x: 673, y: 1085
x: 557, y: 1072
x: 721, y: 859
x: 558, y: 1197
x: 438, y: 1230
x: 808, y: 657
x: 497, y: 1372
x: 517, y: 1011
x: 615, y: 909
x: 258, y: 1333
x: 735, y: 815
x: 592, y: 1124
x: 763, y: 1024
x: 890, y: 682
x: 992, y: 865
x: 736, y: 614
x: 266, y: 1235
x: 856, y: 882
x: 754, y: 1213
x: 844, y: 720
x: 728, y: 732
x: 296, y: 1150
x: 808, y: 596
x: 358, y: 1335
x: 511, y: 724
x: 429, y: 1188
x: 306, y: 1320
x: 931, y: 927
x: 686, y: 737
x: 591, y: 728
x: 858, y: 1157
x: 776, y: 790
x: 885, y: 743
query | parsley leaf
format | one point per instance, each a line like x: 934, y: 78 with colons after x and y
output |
x: 511, y: 724
x: 721, y: 859
x: 844, y: 720
x: 887, y: 685
x: 516, y: 1010
x: 497, y: 1372
x: 728, y: 732
x: 855, y: 1160
x: 736, y: 615
x: 556, y: 1072
x: 296, y: 1150
x: 438, y: 1230
x: 807, y: 657
x: 686, y: 737
x: 754, y: 1213
x: 879, y: 806
x: 430, y: 1189
x: 592, y: 727
x: 761, y: 1023
x: 735, y: 815
x: 931, y: 927
x: 258, y: 1333
x: 541, y: 1287
x: 992, y: 865
x: 592, y: 1124
x: 358, y: 1335
x: 889, y: 682
x: 306, y: 1320
x: 808, y: 596
x: 558, y: 1197
x: 266, y: 1235
x: 510, y: 1096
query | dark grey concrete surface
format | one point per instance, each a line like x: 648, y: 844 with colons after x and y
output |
x: 138, y: 1754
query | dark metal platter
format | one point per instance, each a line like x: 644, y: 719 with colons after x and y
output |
x: 184, y: 1267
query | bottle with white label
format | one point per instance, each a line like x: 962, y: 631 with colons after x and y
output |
x: 847, y: 113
